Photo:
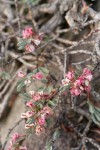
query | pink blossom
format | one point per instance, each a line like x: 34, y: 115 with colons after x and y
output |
x: 30, y: 104
x: 36, y: 97
x: 41, y: 93
x: 37, y: 42
x: 28, y: 114
x: 87, y: 74
x: 39, y: 76
x: 27, y: 32
x: 30, y: 47
x: 32, y: 93
x: 27, y: 82
x: 15, y: 137
x: 39, y: 129
x: 78, y: 82
x: 22, y: 148
x: 21, y: 74
x: 75, y: 91
x: 47, y: 111
x: 87, y: 88
x: 69, y: 75
x: 27, y: 126
x: 65, y: 82
x: 41, y: 121
x: 86, y: 71
x: 41, y: 35
x: 89, y: 77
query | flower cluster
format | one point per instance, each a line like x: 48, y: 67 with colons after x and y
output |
x: 14, y: 143
x: 33, y: 39
x: 78, y: 83
x: 37, y: 111
x: 38, y: 75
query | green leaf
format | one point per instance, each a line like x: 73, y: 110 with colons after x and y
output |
x: 44, y: 70
x: 32, y: 2
x: 95, y: 113
x: 97, y: 116
x: 79, y: 68
x: 25, y: 96
x: 95, y: 120
x: 44, y: 81
x: 40, y: 105
x: 91, y: 109
x: 20, y: 86
x: 65, y: 88
x: 52, y: 103
x: 48, y: 146
x: 49, y: 89
x: 56, y: 134
x: 30, y: 120
x: 5, y: 75
x: 98, y: 109
x: 22, y: 43
x: 86, y: 82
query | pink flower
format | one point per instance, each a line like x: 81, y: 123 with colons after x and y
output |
x: 41, y: 93
x: 41, y: 35
x: 87, y: 74
x: 69, y: 75
x: 30, y: 47
x: 28, y: 32
x: 27, y: 82
x: 47, y: 111
x: 15, y: 137
x: 21, y: 74
x: 30, y: 104
x: 32, y: 93
x: 41, y: 121
x: 65, y: 82
x: 78, y: 82
x: 39, y: 129
x: 28, y: 114
x: 87, y: 88
x: 36, y: 97
x: 37, y: 42
x: 89, y: 77
x: 86, y: 71
x: 75, y: 91
x: 27, y: 126
x: 22, y: 148
x: 39, y: 76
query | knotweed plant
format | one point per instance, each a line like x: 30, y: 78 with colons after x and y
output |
x: 41, y: 102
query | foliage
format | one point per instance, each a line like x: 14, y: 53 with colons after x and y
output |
x: 95, y: 113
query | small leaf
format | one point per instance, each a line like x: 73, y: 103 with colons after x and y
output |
x: 95, y: 120
x: 44, y: 81
x: 91, y: 108
x: 49, y: 146
x: 22, y: 43
x: 56, y: 134
x: 52, y: 103
x: 86, y: 82
x: 20, y: 86
x: 25, y: 96
x: 44, y: 70
x: 5, y: 75
x: 97, y: 115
